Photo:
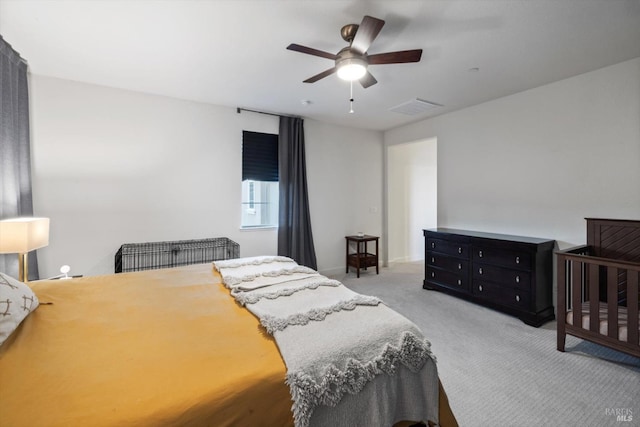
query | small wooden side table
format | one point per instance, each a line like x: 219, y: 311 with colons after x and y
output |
x: 362, y: 258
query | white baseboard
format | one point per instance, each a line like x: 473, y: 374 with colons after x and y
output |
x: 405, y: 259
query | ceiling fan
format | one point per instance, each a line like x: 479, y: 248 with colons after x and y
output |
x: 352, y: 61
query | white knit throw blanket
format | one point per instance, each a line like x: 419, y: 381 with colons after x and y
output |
x: 334, y: 341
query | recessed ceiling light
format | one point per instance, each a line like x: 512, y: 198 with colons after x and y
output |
x: 305, y: 102
x: 474, y: 70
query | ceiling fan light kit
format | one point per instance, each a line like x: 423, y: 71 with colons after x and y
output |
x: 352, y: 69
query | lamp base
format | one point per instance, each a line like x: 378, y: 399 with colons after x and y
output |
x: 23, y: 268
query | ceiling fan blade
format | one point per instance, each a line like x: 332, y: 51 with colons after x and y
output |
x: 367, y: 32
x: 322, y: 75
x: 368, y: 80
x: 311, y: 51
x: 399, y: 57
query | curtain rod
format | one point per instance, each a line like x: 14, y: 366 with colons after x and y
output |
x: 240, y: 110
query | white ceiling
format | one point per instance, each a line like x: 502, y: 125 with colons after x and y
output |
x: 233, y: 53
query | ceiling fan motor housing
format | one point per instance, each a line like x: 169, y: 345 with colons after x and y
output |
x: 349, y: 55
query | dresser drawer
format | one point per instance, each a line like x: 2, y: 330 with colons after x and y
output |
x: 520, y: 260
x: 512, y: 278
x: 450, y: 279
x: 460, y: 250
x: 452, y: 264
x: 501, y: 295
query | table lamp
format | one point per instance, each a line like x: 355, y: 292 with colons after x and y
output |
x: 21, y: 236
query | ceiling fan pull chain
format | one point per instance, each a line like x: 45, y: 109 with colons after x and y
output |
x: 351, y: 98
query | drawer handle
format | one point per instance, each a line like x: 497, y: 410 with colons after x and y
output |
x: 517, y: 260
x: 518, y: 298
x: 433, y: 245
x: 480, y: 288
x: 459, y: 282
x: 433, y: 274
x: 459, y: 266
x: 517, y: 279
x: 480, y: 254
x: 480, y: 270
x: 433, y: 260
x: 459, y: 250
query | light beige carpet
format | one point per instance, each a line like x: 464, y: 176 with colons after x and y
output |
x: 497, y: 371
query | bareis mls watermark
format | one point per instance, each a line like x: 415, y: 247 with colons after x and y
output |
x: 621, y: 414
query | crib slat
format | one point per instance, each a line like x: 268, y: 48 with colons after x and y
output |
x: 612, y: 302
x: 576, y: 292
x: 632, y: 306
x: 562, y: 301
x: 562, y: 286
x: 594, y: 297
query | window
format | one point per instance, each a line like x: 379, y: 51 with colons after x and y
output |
x: 252, y: 195
x: 259, y: 180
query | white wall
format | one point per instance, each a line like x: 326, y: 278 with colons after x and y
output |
x: 113, y: 166
x: 344, y: 168
x: 412, y: 197
x: 538, y: 162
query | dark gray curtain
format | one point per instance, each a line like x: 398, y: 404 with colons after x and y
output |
x: 15, y: 152
x: 295, y: 239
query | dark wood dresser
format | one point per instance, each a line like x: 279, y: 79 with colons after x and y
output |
x: 513, y: 274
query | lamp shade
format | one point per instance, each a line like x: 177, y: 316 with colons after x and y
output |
x: 22, y: 235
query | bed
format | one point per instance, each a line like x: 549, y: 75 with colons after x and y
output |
x: 166, y: 347
x: 598, y: 286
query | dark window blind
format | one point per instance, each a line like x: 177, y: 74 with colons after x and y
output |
x: 259, y: 156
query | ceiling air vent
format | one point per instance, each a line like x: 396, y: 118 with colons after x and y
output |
x: 414, y: 106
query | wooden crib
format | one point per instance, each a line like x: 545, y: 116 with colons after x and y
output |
x: 598, y: 286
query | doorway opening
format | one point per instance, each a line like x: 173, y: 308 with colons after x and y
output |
x: 412, y: 198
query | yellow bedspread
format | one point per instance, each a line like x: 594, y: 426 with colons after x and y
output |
x: 154, y: 348
x: 160, y: 347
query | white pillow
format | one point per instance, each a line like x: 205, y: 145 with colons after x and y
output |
x: 17, y: 300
